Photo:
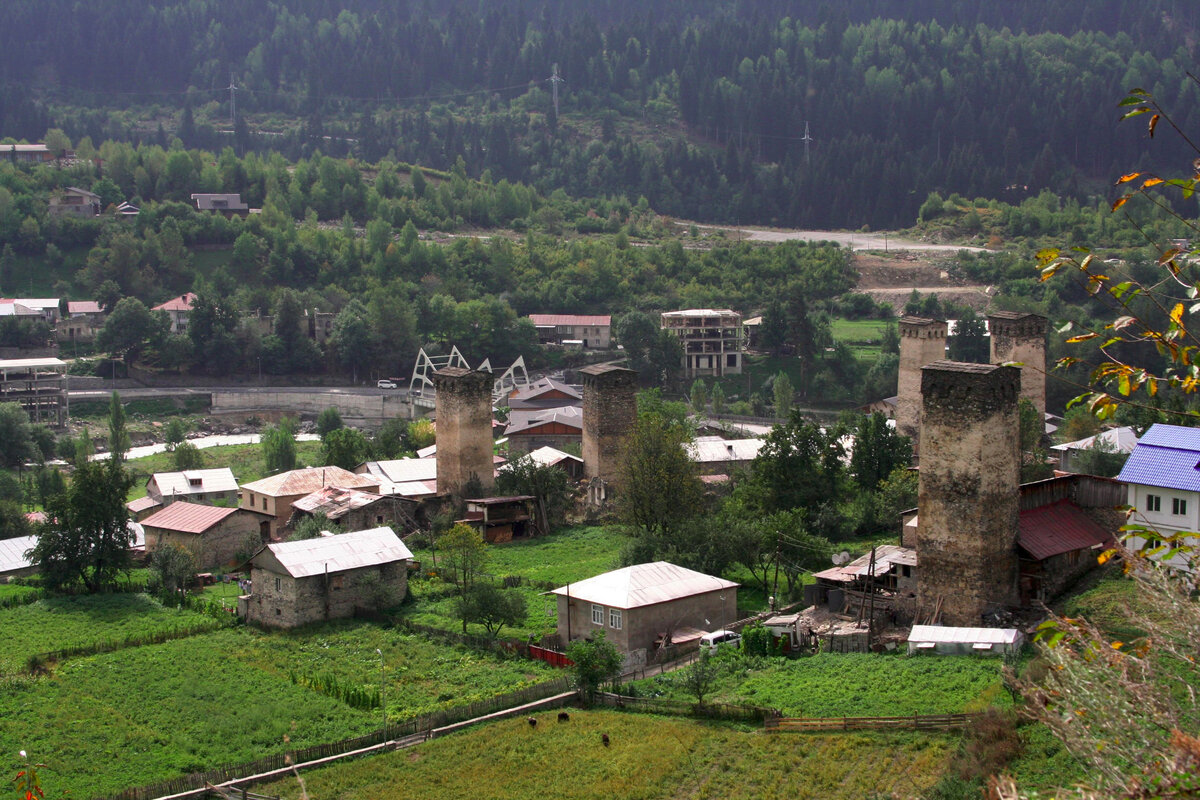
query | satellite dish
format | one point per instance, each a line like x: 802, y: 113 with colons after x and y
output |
x: 841, y: 558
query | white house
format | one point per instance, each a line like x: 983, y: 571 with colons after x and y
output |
x: 1163, y: 474
x: 1115, y: 440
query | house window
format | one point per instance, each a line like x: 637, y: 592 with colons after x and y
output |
x: 731, y: 360
x: 597, y: 614
x: 1178, y: 506
x: 277, y: 585
x: 336, y: 582
x: 1153, y: 502
x: 278, y: 613
x: 264, y: 504
x: 1073, y: 558
x: 906, y: 570
x: 614, y: 618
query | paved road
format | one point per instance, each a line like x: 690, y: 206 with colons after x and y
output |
x: 168, y: 391
x: 855, y: 240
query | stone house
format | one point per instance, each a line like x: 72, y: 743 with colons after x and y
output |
x: 215, y: 535
x: 273, y: 496
x: 355, y: 510
x: 646, y: 609
x: 550, y: 427
x: 714, y: 455
x: 312, y: 580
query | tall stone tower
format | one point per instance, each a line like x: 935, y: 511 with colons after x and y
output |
x: 464, y: 427
x: 922, y: 341
x: 968, y: 496
x: 1021, y: 337
x: 609, y: 413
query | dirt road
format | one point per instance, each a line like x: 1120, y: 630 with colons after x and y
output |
x: 855, y: 240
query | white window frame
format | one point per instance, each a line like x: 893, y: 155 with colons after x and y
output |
x: 614, y: 618
x: 1153, y: 502
x: 597, y: 614
x: 1179, y: 506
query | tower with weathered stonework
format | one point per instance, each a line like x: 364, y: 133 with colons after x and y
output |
x: 922, y: 341
x: 609, y: 414
x: 968, y: 492
x: 1021, y: 338
x: 464, y: 428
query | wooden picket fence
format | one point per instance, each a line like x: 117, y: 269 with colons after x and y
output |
x: 916, y: 722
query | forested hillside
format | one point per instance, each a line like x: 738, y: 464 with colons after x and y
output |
x: 698, y: 106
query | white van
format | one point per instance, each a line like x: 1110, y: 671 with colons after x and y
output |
x: 711, y: 641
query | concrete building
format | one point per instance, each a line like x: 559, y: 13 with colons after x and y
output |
x: 230, y: 205
x: 84, y: 320
x: 313, y: 580
x: 589, y: 332
x: 646, y: 609
x: 74, y: 202
x: 213, y: 534
x: 967, y: 497
x: 1164, y: 486
x: 274, y: 496
x: 464, y: 428
x: 609, y: 414
x: 922, y: 341
x: 712, y: 339
x: 1021, y: 338
x: 179, y: 309
x: 204, y: 486
x: 38, y: 385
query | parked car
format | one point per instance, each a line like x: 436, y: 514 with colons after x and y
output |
x: 711, y: 641
x: 386, y: 383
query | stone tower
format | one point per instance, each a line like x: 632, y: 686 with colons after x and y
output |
x: 1021, y: 337
x: 609, y: 413
x: 968, y: 495
x: 464, y: 427
x: 922, y: 341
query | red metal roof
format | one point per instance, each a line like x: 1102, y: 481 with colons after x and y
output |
x: 570, y: 319
x: 187, y: 517
x: 181, y: 303
x: 1059, y: 528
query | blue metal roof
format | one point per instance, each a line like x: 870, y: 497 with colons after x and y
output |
x: 1167, y: 456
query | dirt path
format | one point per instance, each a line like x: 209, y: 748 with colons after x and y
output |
x: 855, y: 240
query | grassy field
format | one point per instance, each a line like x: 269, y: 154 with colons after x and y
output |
x: 144, y: 714
x: 649, y: 758
x: 245, y: 460
x: 13, y: 590
x: 853, y: 684
x: 60, y: 622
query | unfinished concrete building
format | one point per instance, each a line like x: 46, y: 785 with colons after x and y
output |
x: 609, y: 412
x: 922, y: 341
x: 464, y: 428
x: 968, y: 498
x: 1020, y: 337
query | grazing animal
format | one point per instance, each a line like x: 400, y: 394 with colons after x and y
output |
x: 604, y: 738
x: 533, y: 722
x: 564, y: 716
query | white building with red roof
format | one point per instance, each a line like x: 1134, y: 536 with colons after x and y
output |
x: 179, y: 309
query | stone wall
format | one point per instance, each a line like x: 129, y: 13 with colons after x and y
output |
x: 281, y: 601
x: 464, y: 427
x: 922, y: 341
x: 360, y: 410
x: 214, y: 548
x: 968, y: 496
x: 609, y: 413
x: 1021, y: 338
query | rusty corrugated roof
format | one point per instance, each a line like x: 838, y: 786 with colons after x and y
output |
x: 187, y: 517
x: 306, y: 481
x: 1059, y: 528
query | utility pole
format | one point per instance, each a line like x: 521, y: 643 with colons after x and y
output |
x: 807, y: 139
x: 232, y: 100
x: 775, y: 590
x: 554, y: 82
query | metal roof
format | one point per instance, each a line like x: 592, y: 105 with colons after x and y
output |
x: 520, y: 421
x: 335, y: 501
x: 194, y: 481
x: 543, y: 385
x: 702, y: 312
x: 187, y: 517
x: 142, y: 504
x: 181, y: 303
x: 571, y: 319
x: 644, y: 585
x: 886, y: 556
x: 83, y: 307
x: 403, y: 470
x: 941, y: 634
x: 1123, y: 439
x: 12, y: 553
x: 1167, y: 456
x: 336, y: 553
x: 308, y: 480
x: 31, y: 363
x: 548, y: 456
x: 1059, y: 528
x: 709, y: 450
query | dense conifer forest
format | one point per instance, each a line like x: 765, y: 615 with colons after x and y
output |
x: 701, y: 107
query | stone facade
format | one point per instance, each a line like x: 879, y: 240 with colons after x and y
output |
x: 216, y: 547
x: 1021, y: 338
x: 281, y: 601
x: 922, y: 341
x: 609, y: 413
x: 464, y: 428
x: 640, y: 627
x: 968, y: 496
